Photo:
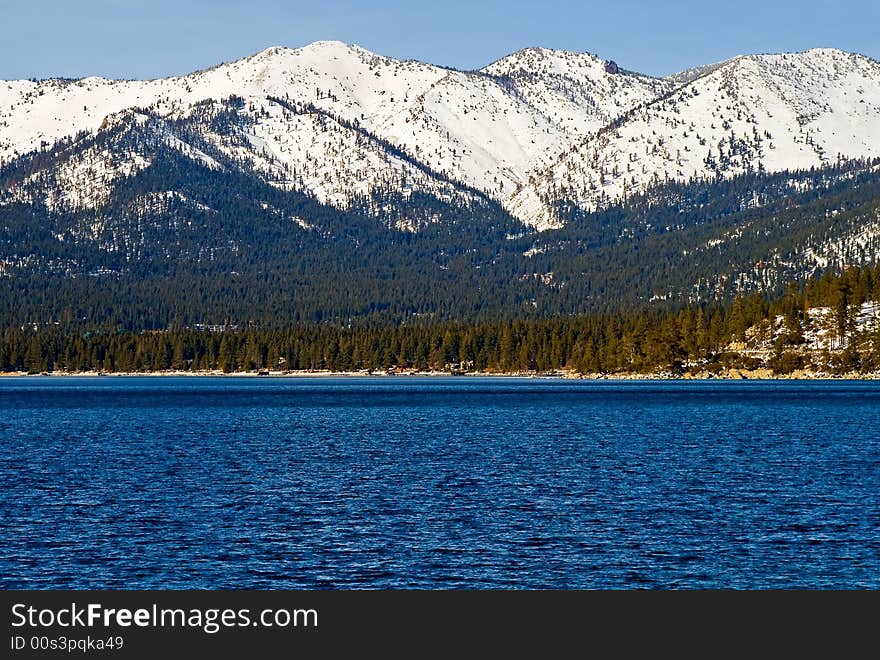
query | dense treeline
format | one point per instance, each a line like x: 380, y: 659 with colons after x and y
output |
x: 696, y: 337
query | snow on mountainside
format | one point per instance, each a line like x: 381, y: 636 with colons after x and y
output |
x: 338, y: 122
x: 579, y: 92
x: 771, y: 112
x: 488, y: 130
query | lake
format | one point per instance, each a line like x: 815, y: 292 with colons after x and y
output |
x: 438, y: 483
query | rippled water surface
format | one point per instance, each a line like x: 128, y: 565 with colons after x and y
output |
x: 438, y: 483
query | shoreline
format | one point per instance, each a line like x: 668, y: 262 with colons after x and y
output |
x: 729, y: 375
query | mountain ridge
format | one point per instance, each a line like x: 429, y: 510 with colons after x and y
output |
x: 504, y: 130
x: 337, y: 185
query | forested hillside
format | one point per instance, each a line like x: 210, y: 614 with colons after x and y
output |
x: 227, y: 249
x: 830, y: 325
x: 328, y: 189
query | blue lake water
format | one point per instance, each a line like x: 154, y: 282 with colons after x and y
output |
x: 414, y: 482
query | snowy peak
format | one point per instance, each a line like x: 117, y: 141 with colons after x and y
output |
x: 579, y: 91
x: 537, y: 61
x: 771, y: 112
x: 531, y: 130
x: 689, y: 75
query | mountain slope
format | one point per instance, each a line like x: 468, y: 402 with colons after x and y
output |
x: 530, y: 130
x: 485, y: 130
x: 761, y: 112
x: 224, y: 246
x: 331, y: 184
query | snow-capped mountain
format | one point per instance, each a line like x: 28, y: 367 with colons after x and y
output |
x: 760, y: 112
x: 530, y: 131
x: 306, y: 113
x: 579, y: 92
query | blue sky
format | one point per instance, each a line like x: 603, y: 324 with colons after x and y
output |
x: 153, y: 38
